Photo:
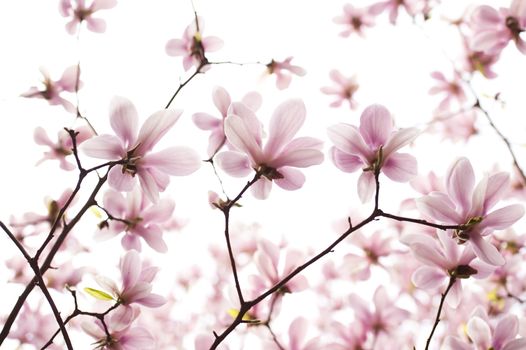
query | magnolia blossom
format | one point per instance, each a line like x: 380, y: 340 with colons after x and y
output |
x: 34, y: 327
x: 193, y: 47
x: 456, y: 126
x: 78, y: 11
x: 373, y: 147
x: 280, y: 156
x: 444, y: 260
x: 133, y: 149
x: 283, y: 71
x: 299, y: 338
x: 393, y: 6
x: 465, y: 204
x: 372, y: 248
x: 492, y: 29
x: 483, y: 336
x: 52, y: 89
x: 354, y: 19
x: 222, y: 101
x: 452, y: 89
x: 64, y: 145
x: 128, y: 338
x: 137, y: 218
x: 344, y: 89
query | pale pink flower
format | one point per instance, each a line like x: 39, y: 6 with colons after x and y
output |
x: 34, y: 327
x: 344, y: 89
x: 444, y: 259
x: 62, y: 148
x: 284, y: 71
x: 298, y: 331
x: 222, y: 101
x: 412, y: 7
x: 127, y: 338
x: 373, y: 147
x: 280, y: 156
x: 492, y: 29
x: 457, y: 126
x: 452, y: 89
x: 354, y: 19
x: 349, y: 337
x: 79, y: 12
x: 483, y: 336
x: 267, y: 260
x: 137, y: 218
x: 52, y: 89
x: 478, y: 61
x: 133, y: 149
x: 193, y: 46
x: 372, y: 248
x: 465, y: 204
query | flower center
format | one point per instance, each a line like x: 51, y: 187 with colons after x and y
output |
x: 130, y: 163
x: 513, y: 25
x: 462, y: 236
x: 269, y: 172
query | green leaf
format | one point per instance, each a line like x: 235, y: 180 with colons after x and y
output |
x: 98, y: 294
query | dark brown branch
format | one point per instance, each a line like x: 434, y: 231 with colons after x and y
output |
x: 183, y: 84
x: 452, y: 280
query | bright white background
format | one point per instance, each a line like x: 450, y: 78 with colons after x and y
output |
x: 392, y: 65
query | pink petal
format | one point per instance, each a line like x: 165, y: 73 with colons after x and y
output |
x: 485, y: 251
x: 400, y: 167
x: 261, y: 189
x: 455, y: 343
x: 344, y: 161
x: 103, y: 147
x: 41, y: 138
x: 250, y: 119
x: 130, y: 241
x: 292, y: 180
x: 103, y: 4
x: 301, y: 158
x: 114, y: 202
x: 265, y: 265
x: 439, y: 207
x: 149, y: 185
x: 216, y: 141
x: 159, y: 212
x: 429, y: 255
x: 221, y: 100
x: 399, y: 139
x: 176, y: 47
x: 460, y: 181
x: 212, y: 43
x: 297, y: 332
x: 305, y: 142
x: 152, y: 300
x: 347, y: 139
x: 205, y: 121
x: 234, y: 163
x: 479, y: 331
x: 96, y: 25
x: 137, y: 338
x: 119, y: 180
x: 68, y: 81
x: 154, y: 129
x: 252, y: 100
x: 489, y: 41
x: 428, y: 277
x: 130, y: 269
x: 124, y: 120
x: 486, y: 14
x: 153, y: 236
x: 516, y: 344
x: 455, y: 294
x: 285, y: 123
x: 283, y: 81
x: 179, y: 161
x: 502, y: 218
x: 497, y: 187
x: 121, y: 318
x: 366, y: 186
x: 506, y: 330
x: 240, y: 137
x: 376, y: 125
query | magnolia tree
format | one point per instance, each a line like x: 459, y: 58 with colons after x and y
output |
x: 376, y: 205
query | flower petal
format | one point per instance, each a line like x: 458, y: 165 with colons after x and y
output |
x: 347, y: 139
x: 154, y: 128
x: 240, y: 137
x: 366, y: 186
x: 485, y: 251
x: 376, y: 125
x: 234, y: 163
x: 103, y: 147
x: 179, y: 161
x: 399, y: 139
x: 285, y: 123
x: 119, y: 180
x: 124, y: 120
x: 221, y: 100
x: 400, y: 167
x: 344, y: 161
x: 261, y: 189
x: 292, y: 180
x: 460, y: 181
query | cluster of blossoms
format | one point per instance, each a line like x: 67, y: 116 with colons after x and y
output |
x: 459, y: 236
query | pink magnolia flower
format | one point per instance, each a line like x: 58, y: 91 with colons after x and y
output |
x: 128, y: 338
x: 280, y: 156
x: 443, y: 260
x: 373, y: 147
x: 465, y: 204
x: 193, y: 47
x: 456, y: 126
x: 482, y: 336
x: 52, y: 89
x: 133, y: 149
x: 33, y: 327
x: 267, y: 260
x: 354, y: 19
x: 298, y: 331
x: 283, y: 71
x: 79, y: 12
x: 344, y: 89
x: 393, y: 6
x: 372, y: 249
x: 349, y: 337
x: 222, y: 101
x: 452, y: 89
x: 63, y: 147
x: 492, y: 29
x: 137, y: 218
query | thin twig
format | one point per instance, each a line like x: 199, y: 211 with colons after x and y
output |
x: 452, y: 280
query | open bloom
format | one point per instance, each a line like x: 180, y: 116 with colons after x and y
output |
x: 354, y: 19
x: 452, y: 89
x: 79, y: 12
x: 444, y: 260
x: 283, y: 71
x: 63, y: 147
x: 465, y: 204
x: 133, y: 149
x: 344, y: 89
x: 192, y: 46
x: 52, y: 89
x: 373, y: 147
x: 492, y: 29
x: 127, y: 338
x: 280, y: 156
x: 137, y: 218
x: 222, y: 101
